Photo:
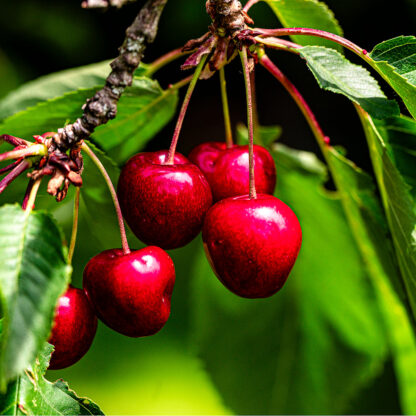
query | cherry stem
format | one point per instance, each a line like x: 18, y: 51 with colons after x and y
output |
x: 226, y: 109
x: 32, y: 196
x: 318, y: 33
x: 106, y: 176
x: 15, y: 172
x: 249, y: 4
x: 249, y: 97
x: 171, y: 155
x: 165, y: 60
x: 74, y: 226
x: 298, y: 98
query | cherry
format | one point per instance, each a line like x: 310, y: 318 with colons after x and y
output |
x: 252, y: 244
x: 131, y: 293
x: 73, y: 329
x: 164, y: 205
x: 227, y: 169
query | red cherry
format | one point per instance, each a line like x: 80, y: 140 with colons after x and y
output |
x: 164, y: 205
x: 252, y: 244
x: 227, y: 169
x: 131, y: 293
x: 73, y: 330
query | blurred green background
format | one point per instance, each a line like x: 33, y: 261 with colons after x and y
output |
x: 319, y: 346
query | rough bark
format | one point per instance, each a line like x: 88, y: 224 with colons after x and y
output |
x: 102, y: 107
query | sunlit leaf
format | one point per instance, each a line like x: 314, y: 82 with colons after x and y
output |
x: 33, y: 274
x: 335, y: 73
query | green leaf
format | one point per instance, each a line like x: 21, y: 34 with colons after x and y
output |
x: 395, y: 59
x: 33, y: 274
x: 369, y: 226
x: 55, y: 85
x: 388, y: 142
x: 335, y: 73
x: 266, y: 134
x: 313, y: 346
x: 311, y: 14
x: 143, y: 110
x: 32, y: 394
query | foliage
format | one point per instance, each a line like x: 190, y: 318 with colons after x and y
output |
x: 317, y: 347
x: 32, y: 394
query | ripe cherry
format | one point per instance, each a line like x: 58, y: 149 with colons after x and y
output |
x: 131, y: 293
x: 252, y: 244
x: 227, y: 169
x: 164, y: 205
x: 73, y: 329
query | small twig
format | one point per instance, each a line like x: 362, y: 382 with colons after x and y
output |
x: 103, y: 106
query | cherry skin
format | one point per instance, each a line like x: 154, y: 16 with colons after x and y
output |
x: 131, y: 293
x: 164, y: 205
x: 73, y: 329
x: 252, y: 244
x: 227, y: 169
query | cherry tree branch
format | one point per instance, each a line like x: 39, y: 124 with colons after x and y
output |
x: 102, y: 107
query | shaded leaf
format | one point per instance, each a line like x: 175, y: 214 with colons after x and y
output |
x: 320, y: 339
x: 143, y: 110
x: 312, y: 14
x: 33, y: 274
x: 395, y: 59
x: 32, y: 394
x: 369, y: 226
x: 388, y: 142
x: 335, y: 73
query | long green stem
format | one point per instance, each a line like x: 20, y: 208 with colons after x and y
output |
x: 226, y: 109
x: 172, y: 149
x: 74, y: 226
x: 249, y: 97
x: 113, y: 193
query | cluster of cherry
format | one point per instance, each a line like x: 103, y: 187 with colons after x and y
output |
x: 251, y: 241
